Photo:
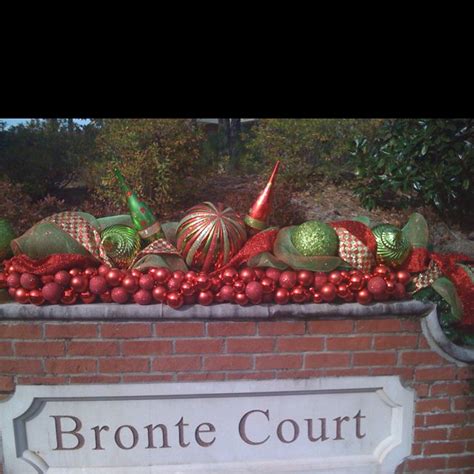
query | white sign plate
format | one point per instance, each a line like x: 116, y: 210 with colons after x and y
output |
x: 341, y: 425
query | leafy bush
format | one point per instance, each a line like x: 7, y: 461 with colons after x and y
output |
x: 429, y: 161
x: 45, y: 155
x: 309, y: 149
x: 155, y: 156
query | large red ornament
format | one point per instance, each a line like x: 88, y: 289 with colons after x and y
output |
x: 63, y: 278
x: 79, y: 283
x: 97, y: 285
x: 114, y: 277
x: 159, y: 294
x: 52, y: 292
x: 282, y: 296
x: 209, y: 236
x: 247, y: 275
x: 254, y: 292
x: 226, y: 293
x: 130, y: 283
x: 288, y: 279
x: 29, y: 281
x: 328, y: 292
x: 205, y: 298
x: 162, y: 275
x: 174, y: 300
x: 146, y: 282
x: 377, y: 285
x: 119, y: 295
x: 173, y: 284
x: 305, y: 278
x: 13, y: 280
x: 142, y: 297
x: 273, y: 273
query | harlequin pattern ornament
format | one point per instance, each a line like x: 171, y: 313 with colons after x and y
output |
x: 209, y: 236
x: 314, y: 238
x: 392, y: 245
x: 121, y: 243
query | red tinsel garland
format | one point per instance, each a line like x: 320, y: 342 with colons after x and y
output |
x: 49, y: 265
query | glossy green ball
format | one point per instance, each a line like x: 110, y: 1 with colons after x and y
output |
x: 314, y: 238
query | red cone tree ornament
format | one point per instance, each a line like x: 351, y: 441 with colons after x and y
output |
x: 143, y: 219
x: 257, y: 217
x: 209, y: 236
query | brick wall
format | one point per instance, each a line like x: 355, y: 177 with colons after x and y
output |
x: 126, y: 352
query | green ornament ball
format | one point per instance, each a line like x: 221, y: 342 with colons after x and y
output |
x: 314, y: 238
x: 392, y: 245
x: 121, y: 243
x: 6, y: 236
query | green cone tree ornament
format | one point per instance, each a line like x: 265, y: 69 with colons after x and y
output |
x: 314, y: 238
x: 392, y: 245
x: 143, y: 219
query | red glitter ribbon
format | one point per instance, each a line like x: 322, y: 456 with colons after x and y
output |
x: 261, y: 242
x: 51, y: 264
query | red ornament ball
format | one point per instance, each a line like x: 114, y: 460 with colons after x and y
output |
x: 36, y: 297
x: 342, y: 290
x: 22, y: 296
x: 273, y: 273
x: 90, y: 271
x: 114, y: 277
x: 162, y: 275
x: 103, y: 270
x: 247, y: 275
x: 130, y: 283
x: 159, y: 293
x: 74, y: 271
x: 335, y: 277
x: 106, y: 297
x: 146, y: 282
x: 174, y: 300
x: 178, y: 275
x: 281, y: 296
x: 241, y: 299
x: 46, y: 279
x: 254, y: 292
x: 3, y: 280
x: 298, y: 294
x: 173, y: 284
x: 205, y: 298
x: 187, y: 288
x: 136, y: 273
x: 381, y: 270
x: 320, y: 279
x: 305, y: 278
x: 364, y: 296
x: 226, y: 293
x: 69, y: 297
x: 189, y: 299
x: 377, y: 285
x: 239, y: 286
x: 63, y: 278
x: 268, y: 285
x: 203, y: 282
x: 87, y: 297
x: 29, y: 281
x: 390, y: 286
x: 288, y: 279
x: 403, y: 277
x: 142, y: 297
x: 119, y: 295
x: 98, y: 285
x: 400, y: 291
x: 328, y: 292
x: 317, y: 297
x: 52, y: 292
x: 79, y: 283
x: 13, y: 280
x: 229, y: 275
x: 356, y: 282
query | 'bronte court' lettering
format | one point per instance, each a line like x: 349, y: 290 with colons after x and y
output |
x: 127, y: 437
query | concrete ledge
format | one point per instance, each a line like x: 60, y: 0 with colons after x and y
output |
x: 227, y: 311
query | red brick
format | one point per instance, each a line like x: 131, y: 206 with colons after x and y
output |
x: 178, y: 329
x: 6, y: 349
x: 470, y: 447
x: 42, y: 380
x: 93, y: 348
x: 438, y: 373
x: 6, y: 383
x: 406, y: 373
x: 421, y: 358
x: 450, y: 388
x: 327, y: 360
x: 95, y: 379
x: 148, y: 378
x: 462, y: 432
x: 423, y: 343
x: 378, y: 325
x: 395, y: 342
x: 227, y: 362
x: 41, y: 348
x: 253, y: 345
x: 462, y: 403
x: 425, y: 464
x: 349, y: 343
x: 410, y: 325
x: 198, y: 346
x: 20, y: 331
x: 431, y: 434
x: 126, y: 330
x: 200, y: 376
x: 125, y: 364
x: 69, y: 330
x: 230, y: 328
x: 281, y: 328
x: 300, y: 344
x: 443, y: 448
x: 445, y: 419
x: 437, y: 404
x: 375, y: 358
x: 176, y: 364
x: 416, y: 449
x: 461, y: 461
x: 21, y: 366
x: 422, y: 389
x: 146, y: 347
x: 330, y: 327
x: 261, y: 375
x: 70, y: 366
x: 276, y: 361
x: 419, y: 420
x: 464, y: 373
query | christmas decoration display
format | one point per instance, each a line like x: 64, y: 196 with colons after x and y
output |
x: 6, y: 236
x: 209, y: 235
x: 392, y: 246
x: 314, y: 238
x: 121, y: 243
x: 257, y: 217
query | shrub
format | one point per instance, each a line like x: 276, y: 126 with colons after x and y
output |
x: 428, y: 161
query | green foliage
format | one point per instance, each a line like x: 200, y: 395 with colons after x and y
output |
x: 429, y: 161
x: 45, y: 155
x: 309, y: 148
x: 155, y: 156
